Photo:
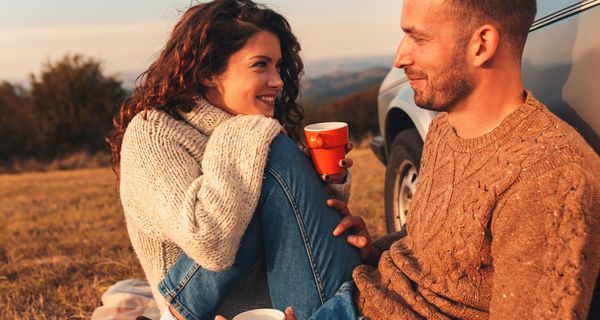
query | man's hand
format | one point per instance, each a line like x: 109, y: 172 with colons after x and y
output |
x: 289, y: 315
x: 359, y: 235
x: 344, y: 163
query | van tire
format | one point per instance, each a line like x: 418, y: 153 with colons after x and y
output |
x: 401, y: 175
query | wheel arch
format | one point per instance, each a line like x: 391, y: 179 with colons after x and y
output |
x: 404, y: 114
x: 397, y: 120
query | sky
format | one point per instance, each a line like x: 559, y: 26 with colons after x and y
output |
x: 127, y: 34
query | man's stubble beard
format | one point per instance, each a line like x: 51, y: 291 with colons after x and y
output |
x: 444, y: 90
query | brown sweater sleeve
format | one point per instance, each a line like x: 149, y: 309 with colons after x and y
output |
x: 545, y: 246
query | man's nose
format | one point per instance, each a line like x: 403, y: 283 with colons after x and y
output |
x: 403, y: 57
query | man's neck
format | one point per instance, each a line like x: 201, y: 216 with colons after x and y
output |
x: 486, y: 107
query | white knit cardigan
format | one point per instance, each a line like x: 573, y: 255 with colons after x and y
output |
x: 193, y: 185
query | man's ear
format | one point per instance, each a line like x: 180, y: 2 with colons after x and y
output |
x: 483, y: 45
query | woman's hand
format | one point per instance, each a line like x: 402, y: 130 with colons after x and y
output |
x: 289, y: 315
x: 359, y: 235
x: 344, y: 163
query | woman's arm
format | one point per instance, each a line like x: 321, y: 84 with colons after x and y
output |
x: 341, y: 191
x: 203, y: 209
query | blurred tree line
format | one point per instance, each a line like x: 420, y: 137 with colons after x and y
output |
x: 358, y: 109
x: 67, y: 108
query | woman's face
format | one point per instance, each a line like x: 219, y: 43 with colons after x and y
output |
x: 251, y: 81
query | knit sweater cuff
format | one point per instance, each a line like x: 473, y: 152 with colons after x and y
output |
x: 341, y: 191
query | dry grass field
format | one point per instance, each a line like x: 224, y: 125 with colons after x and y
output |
x: 63, y: 240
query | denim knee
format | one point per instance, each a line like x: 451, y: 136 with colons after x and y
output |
x: 284, y: 153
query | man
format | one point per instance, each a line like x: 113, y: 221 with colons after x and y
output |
x: 504, y: 221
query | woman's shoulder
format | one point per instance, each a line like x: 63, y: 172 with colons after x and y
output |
x: 158, y: 128
x: 152, y: 121
x: 158, y: 124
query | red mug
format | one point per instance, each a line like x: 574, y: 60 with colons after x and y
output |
x: 327, y: 144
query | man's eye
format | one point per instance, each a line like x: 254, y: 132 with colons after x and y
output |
x: 413, y: 38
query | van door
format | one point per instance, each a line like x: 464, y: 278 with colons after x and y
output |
x: 561, y: 63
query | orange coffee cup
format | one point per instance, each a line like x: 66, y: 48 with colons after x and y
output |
x: 327, y: 144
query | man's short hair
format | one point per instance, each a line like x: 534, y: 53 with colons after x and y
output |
x: 513, y: 18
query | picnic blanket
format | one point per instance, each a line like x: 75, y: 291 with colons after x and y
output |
x: 127, y: 299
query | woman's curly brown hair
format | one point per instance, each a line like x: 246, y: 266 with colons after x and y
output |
x: 198, y: 48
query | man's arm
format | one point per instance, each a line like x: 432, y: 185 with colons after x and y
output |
x: 359, y: 235
x: 370, y: 251
x: 545, y: 247
x: 384, y: 243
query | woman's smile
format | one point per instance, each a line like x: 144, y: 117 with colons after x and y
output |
x: 267, y: 99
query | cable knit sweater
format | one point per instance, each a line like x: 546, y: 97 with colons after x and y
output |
x: 503, y: 226
x: 193, y: 185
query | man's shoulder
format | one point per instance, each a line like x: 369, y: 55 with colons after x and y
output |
x: 548, y: 130
x: 546, y: 140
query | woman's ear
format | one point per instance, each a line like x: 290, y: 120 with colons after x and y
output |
x: 208, y: 83
x: 483, y: 45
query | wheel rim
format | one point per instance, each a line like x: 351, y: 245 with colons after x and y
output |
x: 405, y: 184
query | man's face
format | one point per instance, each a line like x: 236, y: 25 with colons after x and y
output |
x: 432, y: 54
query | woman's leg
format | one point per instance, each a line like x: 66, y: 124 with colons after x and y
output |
x: 197, y: 293
x: 306, y: 265
x: 340, y: 306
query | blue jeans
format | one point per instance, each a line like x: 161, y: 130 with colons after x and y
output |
x: 293, y: 226
x: 341, y: 306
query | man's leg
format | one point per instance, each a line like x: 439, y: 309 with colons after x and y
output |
x: 306, y: 265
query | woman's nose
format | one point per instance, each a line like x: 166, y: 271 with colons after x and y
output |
x: 275, y: 81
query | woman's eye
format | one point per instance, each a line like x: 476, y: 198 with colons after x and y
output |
x: 260, y: 64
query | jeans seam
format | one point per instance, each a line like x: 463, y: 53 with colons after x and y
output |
x: 171, y: 294
x: 183, y: 311
x: 307, y: 246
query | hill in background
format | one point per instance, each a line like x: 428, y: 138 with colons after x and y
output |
x: 318, y: 92
x: 323, y: 67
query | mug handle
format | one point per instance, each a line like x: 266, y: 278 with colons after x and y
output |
x: 317, y: 141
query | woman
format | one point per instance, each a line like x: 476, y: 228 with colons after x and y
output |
x: 207, y: 182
